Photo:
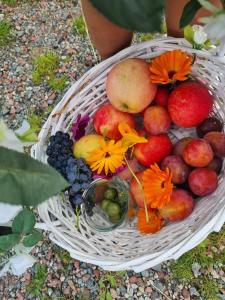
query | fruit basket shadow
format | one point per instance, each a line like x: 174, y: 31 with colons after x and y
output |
x: 125, y: 247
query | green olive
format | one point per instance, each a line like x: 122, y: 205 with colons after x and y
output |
x: 114, y: 219
x: 104, y: 204
x: 113, y: 209
x: 110, y: 194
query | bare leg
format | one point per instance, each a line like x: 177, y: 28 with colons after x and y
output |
x: 107, y: 37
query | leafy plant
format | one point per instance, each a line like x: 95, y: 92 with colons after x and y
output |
x: 107, y: 281
x: 6, y: 35
x: 182, y: 268
x: 45, y: 69
x: 10, y: 2
x: 142, y: 15
x: 38, y: 281
x: 26, y: 181
x: 57, y: 84
x: 79, y: 25
x: 22, y: 230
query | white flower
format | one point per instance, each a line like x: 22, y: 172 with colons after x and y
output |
x: 8, y: 212
x: 199, y: 36
x: 8, y: 139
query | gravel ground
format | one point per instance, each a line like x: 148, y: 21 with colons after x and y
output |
x: 40, y: 26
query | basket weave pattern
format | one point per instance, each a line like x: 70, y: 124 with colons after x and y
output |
x: 125, y: 248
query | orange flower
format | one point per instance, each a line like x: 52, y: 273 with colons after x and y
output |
x: 157, y: 186
x: 153, y: 225
x: 130, y: 136
x: 170, y: 66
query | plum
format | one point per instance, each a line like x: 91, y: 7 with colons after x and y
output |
x: 203, y: 181
x: 198, y: 153
x: 217, y: 142
x: 177, y: 166
x: 179, y: 207
x: 180, y: 145
x: 209, y: 124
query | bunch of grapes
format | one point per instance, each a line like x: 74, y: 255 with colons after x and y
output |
x: 79, y: 175
x: 76, y: 171
x: 59, y: 151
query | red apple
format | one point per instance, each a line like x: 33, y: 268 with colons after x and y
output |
x: 128, y: 85
x: 162, y: 96
x: 157, y: 148
x: 107, y: 119
x: 189, y: 104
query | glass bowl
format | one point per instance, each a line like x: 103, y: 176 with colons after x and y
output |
x: 104, y: 214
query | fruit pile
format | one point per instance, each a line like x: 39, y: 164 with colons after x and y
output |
x: 132, y: 141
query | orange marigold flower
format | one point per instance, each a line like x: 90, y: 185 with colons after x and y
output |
x: 157, y: 186
x: 153, y: 225
x: 170, y: 66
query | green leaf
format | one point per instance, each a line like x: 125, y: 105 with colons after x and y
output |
x: 28, y: 136
x: 111, y: 280
x: 103, y: 296
x: 108, y: 296
x: 32, y: 239
x: 121, y: 273
x: 141, y: 15
x: 24, y: 222
x: 101, y: 283
x: 26, y: 181
x: 8, y: 241
x: 189, y: 12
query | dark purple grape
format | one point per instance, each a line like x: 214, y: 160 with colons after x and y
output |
x: 209, y: 124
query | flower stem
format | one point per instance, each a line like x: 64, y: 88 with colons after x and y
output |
x: 77, y: 211
x: 141, y: 188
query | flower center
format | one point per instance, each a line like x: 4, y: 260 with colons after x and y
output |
x: 171, y: 73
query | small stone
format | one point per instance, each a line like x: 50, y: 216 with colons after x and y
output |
x: 66, y: 291
x: 194, y: 292
x: 97, y: 273
x: 186, y: 294
x: 52, y: 96
x: 196, y: 269
x: 134, y: 286
x: 71, y: 284
x: 148, y: 290
x: 113, y: 293
x: 133, y: 279
x: 86, y: 277
x: 77, y: 264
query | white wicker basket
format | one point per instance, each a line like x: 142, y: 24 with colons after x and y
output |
x: 125, y: 248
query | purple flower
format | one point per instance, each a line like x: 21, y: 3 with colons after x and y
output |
x: 79, y: 126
